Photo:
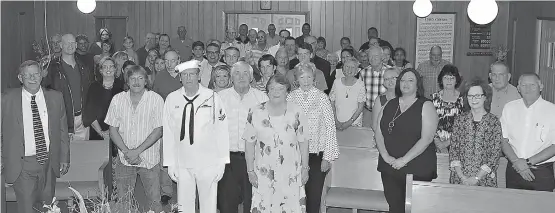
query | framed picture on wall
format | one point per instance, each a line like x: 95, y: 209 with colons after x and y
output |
x: 265, y: 5
x: 438, y: 29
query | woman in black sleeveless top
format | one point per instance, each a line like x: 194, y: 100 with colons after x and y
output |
x: 404, y: 139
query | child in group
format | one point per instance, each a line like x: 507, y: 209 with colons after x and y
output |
x: 128, y: 44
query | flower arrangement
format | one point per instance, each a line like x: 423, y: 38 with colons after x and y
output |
x: 102, y: 204
x: 500, y: 53
x: 41, y: 51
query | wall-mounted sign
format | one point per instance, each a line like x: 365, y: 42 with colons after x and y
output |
x: 438, y: 29
x: 479, y: 54
x: 480, y: 36
x: 291, y: 22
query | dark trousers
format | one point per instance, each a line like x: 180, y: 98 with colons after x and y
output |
x: 315, y: 184
x: 544, y: 180
x: 35, y: 184
x: 235, y: 187
x: 394, y: 188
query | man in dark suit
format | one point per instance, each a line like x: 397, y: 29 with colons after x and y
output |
x: 35, y: 140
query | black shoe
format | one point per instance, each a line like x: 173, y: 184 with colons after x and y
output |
x: 165, y: 199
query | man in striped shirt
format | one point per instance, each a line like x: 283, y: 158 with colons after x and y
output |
x: 373, y: 82
x: 430, y: 69
x: 135, y: 119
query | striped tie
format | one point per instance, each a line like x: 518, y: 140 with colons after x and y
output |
x: 40, y: 142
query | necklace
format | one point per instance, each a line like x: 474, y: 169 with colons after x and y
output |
x: 392, y: 122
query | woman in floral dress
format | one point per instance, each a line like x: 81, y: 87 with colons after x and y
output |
x: 277, y: 152
x: 449, y: 104
x: 476, y: 140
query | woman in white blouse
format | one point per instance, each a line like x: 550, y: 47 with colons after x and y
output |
x: 348, y: 97
x: 321, y: 132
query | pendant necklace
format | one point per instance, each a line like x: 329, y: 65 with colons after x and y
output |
x: 392, y: 122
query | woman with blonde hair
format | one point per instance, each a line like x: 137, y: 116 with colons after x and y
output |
x: 220, y: 78
x: 320, y: 132
x: 348, y: 97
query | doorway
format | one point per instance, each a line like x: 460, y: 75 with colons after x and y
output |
x: 545, y: 57
x: 117, y: 25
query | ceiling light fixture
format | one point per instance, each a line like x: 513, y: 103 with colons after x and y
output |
x: 422, y: 8
x: 482, y: 11
x: 86, y: 6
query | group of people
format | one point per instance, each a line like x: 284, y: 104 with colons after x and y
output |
x: 253, y: 119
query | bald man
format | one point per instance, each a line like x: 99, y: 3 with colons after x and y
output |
x: 184, y: 44
x: 430, y: 69
x: 150, y: 43
x: 72, y: 78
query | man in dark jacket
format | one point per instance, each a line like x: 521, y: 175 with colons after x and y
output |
x: 72, y: 78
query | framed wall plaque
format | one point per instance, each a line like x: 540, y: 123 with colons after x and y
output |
x: 438, y: 29
x: 265, y: 5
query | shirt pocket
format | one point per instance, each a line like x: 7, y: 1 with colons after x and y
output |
x: 542, y: 132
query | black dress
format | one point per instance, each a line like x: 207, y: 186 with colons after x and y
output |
x: 97, y: 104
x: 404, y: 135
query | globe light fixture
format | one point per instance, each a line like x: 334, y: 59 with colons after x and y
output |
x: 422, y: 8
x: 86, y: 6
x: 482, y: 11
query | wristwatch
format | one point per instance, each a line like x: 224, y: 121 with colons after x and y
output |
x: 528, y: 162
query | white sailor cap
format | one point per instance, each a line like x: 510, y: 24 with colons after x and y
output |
x: 192, y: 64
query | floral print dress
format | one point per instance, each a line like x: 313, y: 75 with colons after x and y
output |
x: 446, y: 111
x: 277, y: 159
x: 475, y: 146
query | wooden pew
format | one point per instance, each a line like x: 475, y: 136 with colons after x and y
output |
x: 450, y: 198
x: 89, y: 168
x: 354, y: 182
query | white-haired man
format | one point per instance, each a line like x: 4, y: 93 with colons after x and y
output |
x: 196, y: 140
x: 237, y: 101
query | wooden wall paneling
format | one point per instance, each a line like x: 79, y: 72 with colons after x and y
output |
x: 209, y: 27
x: 321, y: 16
x: 314, y: 22
x: 329, y: 20
x: 194, y: 14
x: 304, y: 7
x: 394, y: 23
x: 384, y: 27
x: 373, y: 20
x: 364, y: 22
x: 148, y: 17
x: 347, y: 21
x: 140, y: 22
x: 166, y: 9
x: 357, y: 22
x: 337, y: 22
x: 155, y: 17
x: 174, y: 17
x: 283, y: 5
x: 217, y: 21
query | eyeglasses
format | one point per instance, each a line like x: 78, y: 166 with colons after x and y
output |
x: 477, y: 96
x: 390, y: 79
x: 29, y: 76
x: 449, y: 78
x: 211, y: 53
x: 108, y: 66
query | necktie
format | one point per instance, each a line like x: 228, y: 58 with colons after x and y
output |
x: 40, y: 142
x: 191, y: 119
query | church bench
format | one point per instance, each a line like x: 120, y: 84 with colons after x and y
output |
x: 354, y: 182
x: 450, y: 198
x: 89, y: 168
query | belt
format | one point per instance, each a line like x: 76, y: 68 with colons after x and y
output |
x: 77, y: 113
x: 237, y: 153
x: 316, y: 154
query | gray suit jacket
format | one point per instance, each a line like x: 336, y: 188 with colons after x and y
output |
x: 13, y: 142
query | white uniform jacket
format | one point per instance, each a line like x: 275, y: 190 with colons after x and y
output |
x: 211, y: 136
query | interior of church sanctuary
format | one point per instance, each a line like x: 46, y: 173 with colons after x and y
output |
x: 280, y: 106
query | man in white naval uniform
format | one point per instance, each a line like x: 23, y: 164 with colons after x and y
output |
x: 196, y: 140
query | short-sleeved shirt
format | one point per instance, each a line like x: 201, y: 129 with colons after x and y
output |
x: 429, y: 74
x: 237, y: 109
x: 373, y: 82
x: 135, y: 124
x: 346, y: 100
x: 529, y: 129
x: 502, y: 97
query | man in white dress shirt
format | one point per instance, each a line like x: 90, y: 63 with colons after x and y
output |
x: 196, y: 140
x: 237, y: 101
x: 529, y: 137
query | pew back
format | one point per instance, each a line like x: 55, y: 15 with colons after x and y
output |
x: 441, y: 198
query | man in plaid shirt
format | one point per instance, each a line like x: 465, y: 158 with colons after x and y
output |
x: 373, y: 82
